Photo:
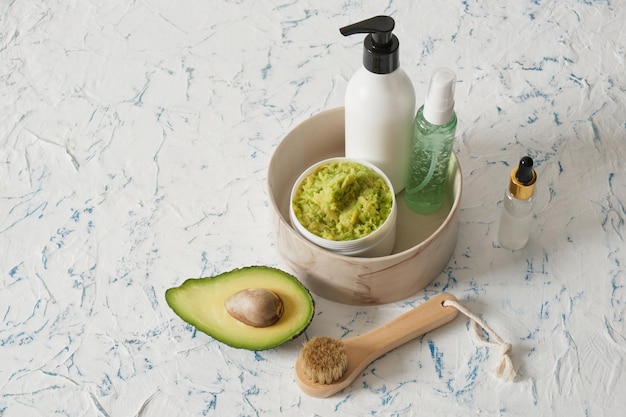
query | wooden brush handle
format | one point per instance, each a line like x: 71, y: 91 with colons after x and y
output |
x: 421, y: 319
x: 362, y: 350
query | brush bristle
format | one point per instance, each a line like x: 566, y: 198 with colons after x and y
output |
x: 324, y: 359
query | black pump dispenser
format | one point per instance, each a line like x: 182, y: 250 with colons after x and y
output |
x: 380, y: 47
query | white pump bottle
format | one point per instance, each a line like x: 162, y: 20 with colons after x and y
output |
x: 380, y: 103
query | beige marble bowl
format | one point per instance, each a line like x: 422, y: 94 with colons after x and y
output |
x: 424, y: 244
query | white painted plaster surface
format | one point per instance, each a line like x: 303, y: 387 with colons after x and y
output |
x: 135, y: 138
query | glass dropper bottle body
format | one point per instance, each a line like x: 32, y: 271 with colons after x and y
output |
x: 517, y: 207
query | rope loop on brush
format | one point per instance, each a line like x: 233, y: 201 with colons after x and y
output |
x: 505, y: 369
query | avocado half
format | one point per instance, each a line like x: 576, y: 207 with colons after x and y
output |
x: 200, y: 302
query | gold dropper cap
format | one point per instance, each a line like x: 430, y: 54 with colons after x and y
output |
x: 523, y: 178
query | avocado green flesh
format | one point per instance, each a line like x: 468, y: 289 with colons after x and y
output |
x: 200, y: 302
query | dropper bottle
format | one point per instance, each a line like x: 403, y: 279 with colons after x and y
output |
x: 514, y: 228
x: 431, y: 147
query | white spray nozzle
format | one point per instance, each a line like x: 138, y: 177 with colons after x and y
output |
x: 439, y: 104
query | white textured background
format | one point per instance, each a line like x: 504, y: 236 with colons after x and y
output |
x: 134, y: 143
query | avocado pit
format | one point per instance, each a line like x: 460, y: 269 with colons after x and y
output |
x: 257, y: 307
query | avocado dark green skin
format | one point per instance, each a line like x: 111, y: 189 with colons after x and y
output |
x: 193, y: 295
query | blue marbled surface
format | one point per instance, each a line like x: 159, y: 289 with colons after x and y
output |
x: 134, y: 144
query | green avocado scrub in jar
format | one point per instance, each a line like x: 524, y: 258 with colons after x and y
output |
x: 342, y: 201
x: 431, y: 147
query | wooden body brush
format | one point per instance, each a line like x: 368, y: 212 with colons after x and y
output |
x: 325, y: 366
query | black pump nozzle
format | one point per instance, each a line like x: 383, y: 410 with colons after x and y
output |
x: 524, y: 172
x: 380, y: 54
x: 380, y: 27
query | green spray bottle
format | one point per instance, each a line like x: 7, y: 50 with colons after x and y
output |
x: 431, y: 146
